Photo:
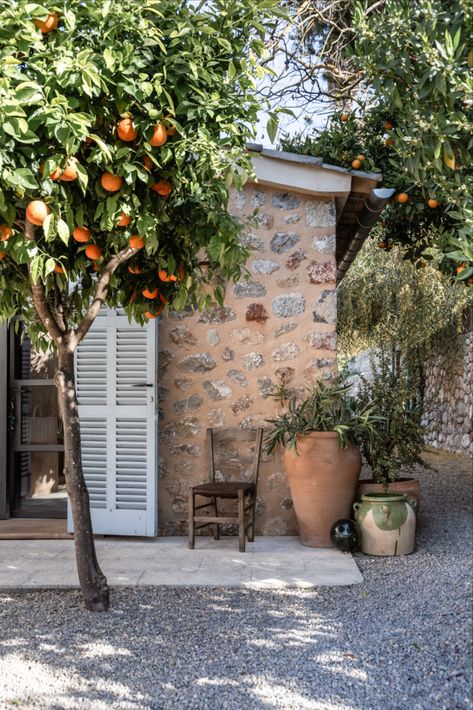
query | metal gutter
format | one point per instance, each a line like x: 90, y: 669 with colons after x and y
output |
x: 366, y: 219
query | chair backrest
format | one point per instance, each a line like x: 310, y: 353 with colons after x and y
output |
x: 226, y: 461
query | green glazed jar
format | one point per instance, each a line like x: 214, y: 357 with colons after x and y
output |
x: 387, y: 524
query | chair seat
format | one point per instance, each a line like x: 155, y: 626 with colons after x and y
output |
x: 224, y: 489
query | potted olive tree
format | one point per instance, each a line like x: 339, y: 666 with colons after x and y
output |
x: 320, y: 433
x: 400, y: 436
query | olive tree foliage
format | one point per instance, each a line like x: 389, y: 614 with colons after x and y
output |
x: 400, y: 81
x: 123, y: 127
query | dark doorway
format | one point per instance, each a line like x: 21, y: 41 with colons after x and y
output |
x: 36, y: 451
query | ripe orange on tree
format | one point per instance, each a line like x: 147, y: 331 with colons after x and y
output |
x: 70, y: 171
x: 148, y: 163
x: 136, y: 242
x: 163, y: 299
x: 148, y: 293
x: 150, y: 315
x: 381, y: 245
x: 49, y: 24
x: 164, y: 276
x: 433, y: 203
x: 110, y: 182
x: 159, y: 136
x: 402, y: 198
x: 81, y: 234
x: 460, y: 268
x: 388, y: 126
x: 356, y: 164
x: 58, y: 269
x: 36, y: 212
x: 3, y: 254
x: 134, y: 269
x: 6, y: 232
x: 93, y: 251
x: 162, y: 187
x: 344, y: 117
x: 389, y: 141
x: 181, y: 274
x: 126, y: 130
x: 124, y: 220
x: 361, y: 157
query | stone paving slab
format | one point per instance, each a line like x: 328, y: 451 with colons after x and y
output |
x: 268, y: 563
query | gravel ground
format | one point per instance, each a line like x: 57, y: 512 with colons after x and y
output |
x: 400, y: 640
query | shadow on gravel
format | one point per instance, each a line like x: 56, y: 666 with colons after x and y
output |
x: 402, y: 639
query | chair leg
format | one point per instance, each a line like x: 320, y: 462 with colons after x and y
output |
x: 216, y: 530
x: 251, y: 534
x: 241, y: 520
x: 191, y: 519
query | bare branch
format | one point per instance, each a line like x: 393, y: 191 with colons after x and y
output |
x: 101, y: 292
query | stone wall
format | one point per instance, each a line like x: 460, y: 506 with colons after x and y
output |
x: 217, y: 368
x: 449, y: 401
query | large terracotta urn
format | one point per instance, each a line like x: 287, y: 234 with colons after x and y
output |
x: 322, y: 478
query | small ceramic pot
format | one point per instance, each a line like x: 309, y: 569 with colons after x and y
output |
x: 387, y: 524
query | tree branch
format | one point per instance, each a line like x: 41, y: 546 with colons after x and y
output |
x: 39, y: 296
x: 101, y: 292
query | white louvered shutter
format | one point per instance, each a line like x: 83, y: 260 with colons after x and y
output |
x: 116, y: 389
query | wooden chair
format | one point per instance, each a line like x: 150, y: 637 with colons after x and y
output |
x: 244, y: 492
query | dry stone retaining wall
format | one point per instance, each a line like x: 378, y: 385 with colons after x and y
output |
x: 217, y: 368
x: 449, y: 401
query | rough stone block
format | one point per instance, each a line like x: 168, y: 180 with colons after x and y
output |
x: 292, y: 218
x: 295, y: 259
x: 321, y: 272
x: 188, y: 404
x: 238, y: 377
x: 216, y: 418
x: 265, y: 386
x: 213, y: 337
x: 286, y: 351
x: 217, y: 389
x: 288, y: 282
x: 256, y: 312
x: 264, y: 266
x: 249, y: 290
x: 252, y: 241
x: 217, y: 315
x: 320, y: 214
x: 288, y: 304
x: 181, y: 429
x: 285, y: 201
x: 283, y: 329
x: 189, y: 449
x: 202, y: 362
x: 325, y: 245
x: 325, y: 310
x: 265, y: 220
x: 242, y: 404
x: 252, y: 361
x: 321, y: 341
x: 258, y: 198
x: 183, y: 383
x: 228, y: 354
x: 181, y: 336
x: 283, y: 241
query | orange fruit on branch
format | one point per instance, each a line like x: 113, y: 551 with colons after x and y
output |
x: 126, y: 130
x: 164, y: 276
x: 36, y: 212
x: 6, y: 232
x: 3, y: 254
x: 58, y: 269
x: 402, y: 198
x: 148, y: 163
x: 433, y: 203
x: 356, y: 164
x: 148, y: 293
x: 344, y: 117
x: 460, y: 268
x: 389, y: 141
x: 162, y: 187
x: 163, y: 299
x: 136, y: 242
x: 70, y: 171
x: 388, y: 126
x: 93, y: 251
x: 81, y: 234
x: 110, y: 182
x: 134, y: 269
x: 124, y: 220
x: 361, y: 157
x: 47, y: 25
x: 159, y: 136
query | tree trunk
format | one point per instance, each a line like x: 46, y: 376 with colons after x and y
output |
x: 92, y: 580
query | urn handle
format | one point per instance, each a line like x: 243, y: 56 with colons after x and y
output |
x: 412, y: 502
x: 356, y: 507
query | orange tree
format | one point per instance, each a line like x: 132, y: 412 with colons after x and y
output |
x: 122, y: 127
x: 401, y: 74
